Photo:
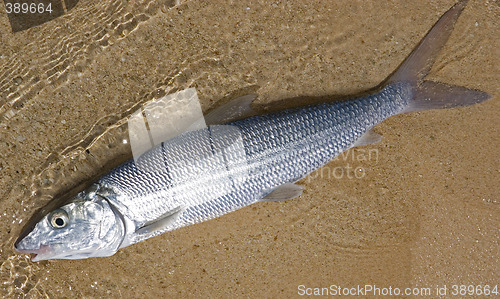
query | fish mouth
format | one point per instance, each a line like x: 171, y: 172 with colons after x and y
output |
x: 37, y: 254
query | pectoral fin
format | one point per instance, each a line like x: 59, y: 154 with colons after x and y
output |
x: 284, y: 192
x: 162, y: 223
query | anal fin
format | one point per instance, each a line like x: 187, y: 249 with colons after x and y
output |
x: 284, y: 192
x: 370, y: 137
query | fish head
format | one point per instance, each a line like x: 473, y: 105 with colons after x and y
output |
x: 87, y: 226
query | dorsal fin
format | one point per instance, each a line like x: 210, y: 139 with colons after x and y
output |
x: 234, y: 109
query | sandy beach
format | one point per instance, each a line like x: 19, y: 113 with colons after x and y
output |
x: 418, y: 211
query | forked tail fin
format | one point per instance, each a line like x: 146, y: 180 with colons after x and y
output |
x: 428, y: 94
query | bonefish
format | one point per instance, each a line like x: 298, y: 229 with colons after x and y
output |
x: 203, y: 174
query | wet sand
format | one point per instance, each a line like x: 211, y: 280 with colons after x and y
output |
x: 418, y: 210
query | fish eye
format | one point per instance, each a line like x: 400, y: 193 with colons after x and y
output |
x: 59, y: 218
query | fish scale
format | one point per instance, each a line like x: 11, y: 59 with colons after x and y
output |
x: 281, y: 147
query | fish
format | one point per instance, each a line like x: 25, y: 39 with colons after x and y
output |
x: 235, y: 162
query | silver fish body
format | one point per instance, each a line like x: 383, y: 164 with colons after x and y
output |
x: 279, y: 148
x: 206, y: 173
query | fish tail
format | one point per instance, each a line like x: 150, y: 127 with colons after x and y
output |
x: 433, y: 95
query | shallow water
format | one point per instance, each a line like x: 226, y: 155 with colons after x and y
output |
x: 419, y: 209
